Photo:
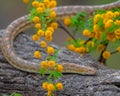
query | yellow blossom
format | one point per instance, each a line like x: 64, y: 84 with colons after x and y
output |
x: 90, y: 43
x: 80, y: 50
x: 44, y: 64
x: 101, y: 47
x: 117, y: 31
x: 50, y: 50
x: 37, y: 25
x: 95, y: 28
x: 108, y: 24
x: 71, y: 47
x: 96, y: 18
x: 86, y: 32
x: 109, y: 14
x: 97, y: 35
x: 67, y: 21
x: 40, y: 32
x: 48, y: 38
x: 40, y: 10
x: 43, y: 44
x: 54, y: 25
x: 36, y: 19
x: 52, y: 14
x: 51, y: 64
x: 50, y: 29
x: 110, y: 36
x: 35, y: 3
x: 59, y: 86
x: 35, y: 37
x: 37, y: 54
x: 59, y: 68
x: 50, y: 87
x: 45, y: 85
x: 48, y: 33
x: 117, y: 22
x: 116, y: 14
x: 106, y: 54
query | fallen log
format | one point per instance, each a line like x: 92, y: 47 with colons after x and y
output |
x: 106, y: 82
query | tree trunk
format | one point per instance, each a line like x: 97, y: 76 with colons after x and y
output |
x: 105, y: 83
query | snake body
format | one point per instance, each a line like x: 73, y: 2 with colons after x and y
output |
x: 23, y: 23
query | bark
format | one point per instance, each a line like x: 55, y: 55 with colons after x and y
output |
x: 105, y: 83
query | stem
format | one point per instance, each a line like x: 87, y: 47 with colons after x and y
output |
x: 114, y: 52
x: 101, y: 59
x: 87, y: 40
x: 67, y: 31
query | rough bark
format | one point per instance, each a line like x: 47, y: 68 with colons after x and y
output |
x: 105, y: 83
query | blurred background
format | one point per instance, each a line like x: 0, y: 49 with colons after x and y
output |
x: 13, y: 9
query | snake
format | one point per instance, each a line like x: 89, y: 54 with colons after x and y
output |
x: 22, y: 23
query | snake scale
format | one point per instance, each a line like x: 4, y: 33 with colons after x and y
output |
x: 19, y: 25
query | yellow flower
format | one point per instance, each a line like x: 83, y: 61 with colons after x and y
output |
x: 50, y: 50
x: 86, y: 32
x: 116, y: 14
x: 108, y: 24
x: 43, y: 44
x: 54, y: 25
x: 95, y: 28
x: 111, y: 36
x: 51, y: 64
x: 59, y: 86
x: 48, y: 38
x: 46, y: 2
x: 51, y: 29
x: 109, y: 14
x: 50, y: 87
x: 82, y: 42
x: 40, y: 9
x: 118, y: 49
x: 59, y: 68
x: 40, y: 32
x: 50, y: 93
x: 80, y: 50
x: 45, y: 85
x: 37, y: 25
x: 106, y: 54
x: 53, y: 3
x: 96, y: 18
x: 117, y: 31
x: 36, y: 19
x: 117, y: 22
x: 35, y: 3
x: 97, y: 35
x: 67, y: 21
x: 44, y: 64
x: 48, y: 33
x: 41, y: 5
x: 101, y: 47
x: 35, y: 37
x: 25, y: 1
x: 37, y: 54
x: 90, y: 43
x: 52, y: 14
x: 71, y: 47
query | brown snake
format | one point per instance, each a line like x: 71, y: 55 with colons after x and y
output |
x: 23, y: 23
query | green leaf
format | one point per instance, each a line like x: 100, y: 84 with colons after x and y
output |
x: 15, y: 94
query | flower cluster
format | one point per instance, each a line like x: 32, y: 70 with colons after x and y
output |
x: 101, y: 30
x: 43, y: 17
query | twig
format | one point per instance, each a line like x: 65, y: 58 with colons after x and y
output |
x: 67, y: 31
